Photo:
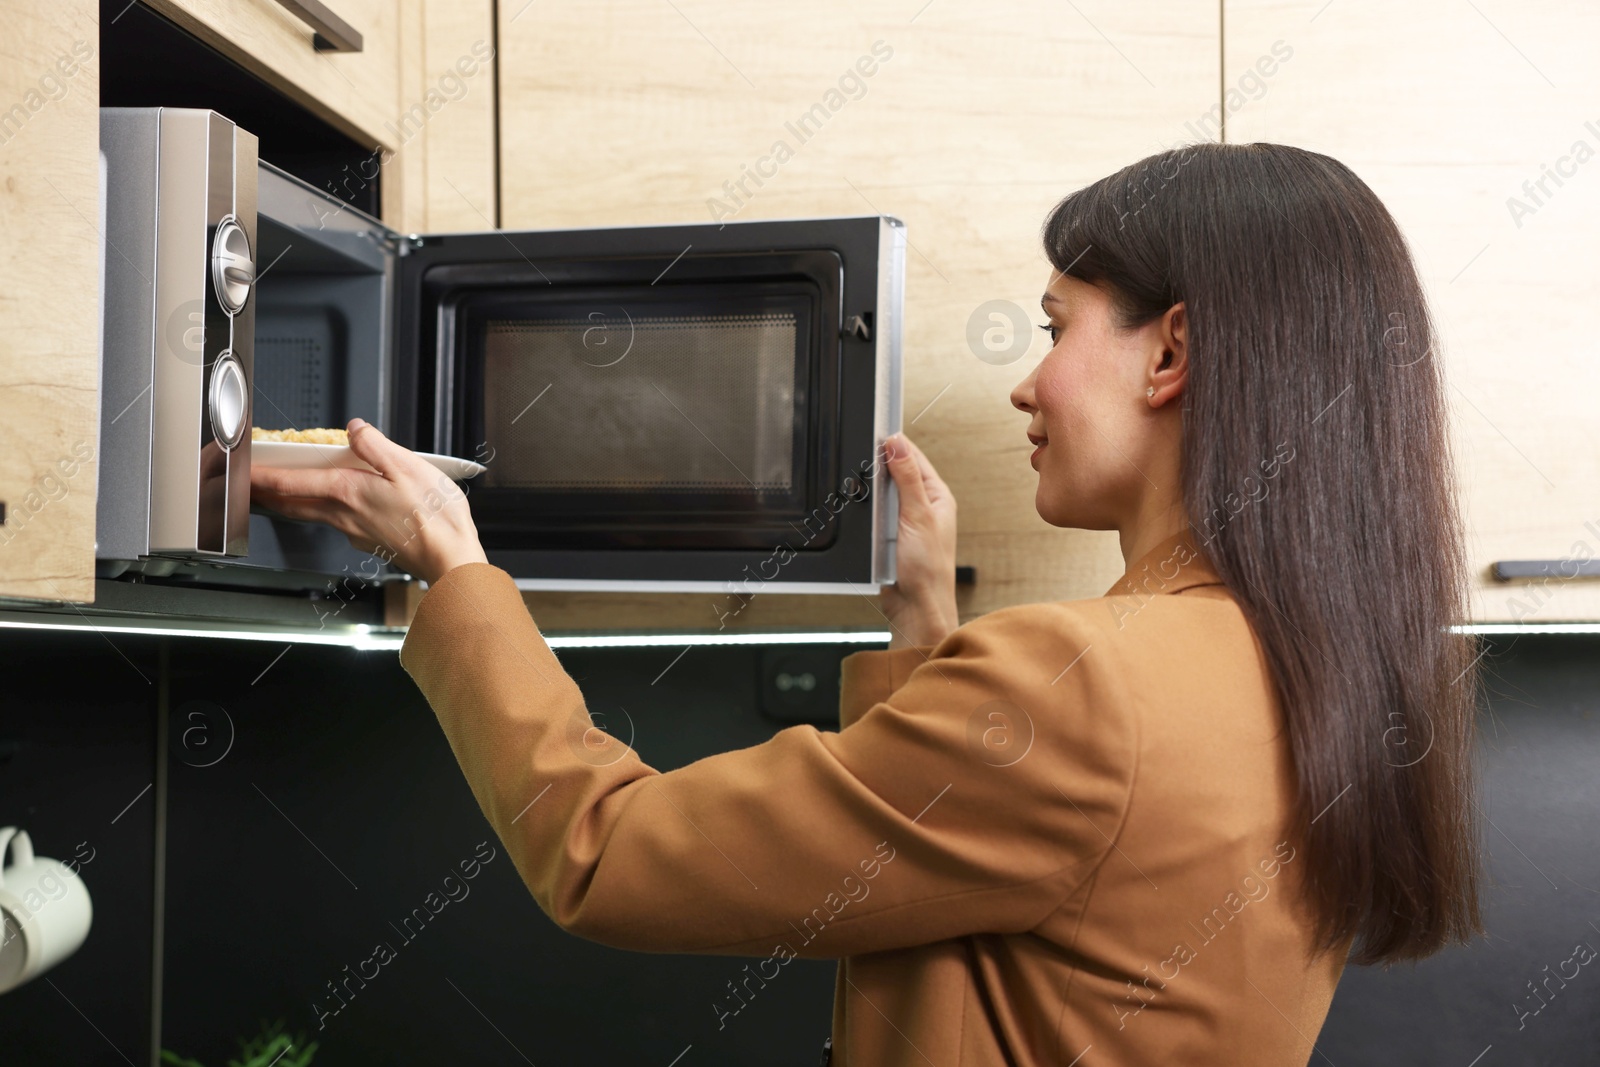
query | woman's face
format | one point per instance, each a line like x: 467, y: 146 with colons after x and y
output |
x: 1109, y: 455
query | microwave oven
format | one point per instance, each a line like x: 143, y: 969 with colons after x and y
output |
x: 695, y: 407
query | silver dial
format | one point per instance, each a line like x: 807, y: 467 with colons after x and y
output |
x: 233, y: 267
x: 229, y: 400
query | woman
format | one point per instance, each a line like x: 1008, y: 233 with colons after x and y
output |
x: 1144, y: 828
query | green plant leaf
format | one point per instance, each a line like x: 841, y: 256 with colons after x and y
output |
x: 269, y: 1048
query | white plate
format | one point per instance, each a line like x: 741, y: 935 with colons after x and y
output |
x: 301, y: 455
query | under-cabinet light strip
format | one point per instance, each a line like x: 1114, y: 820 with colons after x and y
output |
x: 364, y: 638
x: 864, y: 637
x: 1527, y: 628
x: 361, y: 637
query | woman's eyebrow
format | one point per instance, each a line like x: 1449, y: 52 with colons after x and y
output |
x: 1048, y: 297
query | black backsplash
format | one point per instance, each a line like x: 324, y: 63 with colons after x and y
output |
x: 77, y: 772
x: 1539, y: 789
x: 313, y: 803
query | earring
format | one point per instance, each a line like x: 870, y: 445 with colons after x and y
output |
x: 1151, y: 391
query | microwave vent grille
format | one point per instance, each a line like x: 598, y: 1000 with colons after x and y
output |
x: 296, y: 383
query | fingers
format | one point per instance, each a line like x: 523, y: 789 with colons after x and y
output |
x: 382, y: 454
x: 309, y: 509
x: 327, y: 512
x: 331, y: 512
x: 936, y: 489
x: 907, y: 473
x: 321, y: 482
x: 919, y: 483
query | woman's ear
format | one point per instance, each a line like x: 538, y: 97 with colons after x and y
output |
x: 1170, y: 370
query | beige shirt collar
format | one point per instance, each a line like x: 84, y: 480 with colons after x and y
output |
x: 1172, y: 565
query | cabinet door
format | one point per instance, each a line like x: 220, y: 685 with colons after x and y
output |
x: 49, y: 299
x: 1476, y: 125
x: 421, y: 89
x: 966, y: 121
x: 355, y: 91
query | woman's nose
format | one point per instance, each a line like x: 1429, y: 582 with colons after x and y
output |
x: 1022, y: 395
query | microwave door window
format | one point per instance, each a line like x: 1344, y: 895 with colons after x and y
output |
x: 683, y: 417
x: 656, y: 407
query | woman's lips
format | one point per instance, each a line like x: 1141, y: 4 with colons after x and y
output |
x: 1033, y: 460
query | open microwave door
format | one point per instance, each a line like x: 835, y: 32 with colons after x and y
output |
x: 691, y: 407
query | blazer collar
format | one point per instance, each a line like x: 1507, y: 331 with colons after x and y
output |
x: 1172, y: 565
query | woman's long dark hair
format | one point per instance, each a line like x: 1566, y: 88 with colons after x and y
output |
x: 1309, y: 338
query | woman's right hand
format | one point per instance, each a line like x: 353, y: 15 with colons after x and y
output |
x: 921, y: 604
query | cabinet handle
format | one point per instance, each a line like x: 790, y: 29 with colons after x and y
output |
x: 333, y: 34
x: 1509, y: 569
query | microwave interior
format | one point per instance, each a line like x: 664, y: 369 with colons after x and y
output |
x: 323, y: 294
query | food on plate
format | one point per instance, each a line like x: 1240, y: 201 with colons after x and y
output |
x: 316, y: 436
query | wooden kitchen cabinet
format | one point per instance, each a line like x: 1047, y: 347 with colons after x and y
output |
x: 49, y: 299
x: 422, y: 88
x: 357, y: 92
x: 972, y: 124
x: 1477, y: 126
x: 420, y: 92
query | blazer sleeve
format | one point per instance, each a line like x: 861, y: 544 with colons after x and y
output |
x: 975, y: 784
x: 868, y: 677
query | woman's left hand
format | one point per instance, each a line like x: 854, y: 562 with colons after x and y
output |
x: 409, y: 512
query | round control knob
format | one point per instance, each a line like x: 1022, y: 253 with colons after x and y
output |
x: 233, y: 268
x: 229, y: 400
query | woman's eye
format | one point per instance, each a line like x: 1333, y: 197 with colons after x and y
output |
x: 1051, y: 329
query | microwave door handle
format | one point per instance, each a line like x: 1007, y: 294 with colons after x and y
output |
x: 332, y: 33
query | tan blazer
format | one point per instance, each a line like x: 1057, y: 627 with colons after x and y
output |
x: 1056, y: 837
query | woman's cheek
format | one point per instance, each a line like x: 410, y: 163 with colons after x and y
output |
x: 1053, y: 390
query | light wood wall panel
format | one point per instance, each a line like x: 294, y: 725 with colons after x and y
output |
x: 634, y: 111
x: 49, y: 298
x: 1446, y: 109
x: 441, y: 177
